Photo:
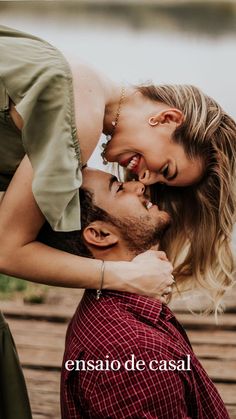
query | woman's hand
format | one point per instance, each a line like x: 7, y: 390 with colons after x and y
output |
x: 149, y: 274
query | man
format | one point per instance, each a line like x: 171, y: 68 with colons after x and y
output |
x: 126, y: 356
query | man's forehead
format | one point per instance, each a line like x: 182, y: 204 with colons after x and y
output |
x: 93, y: 178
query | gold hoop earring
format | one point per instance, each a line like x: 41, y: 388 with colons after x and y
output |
x: 152, y: 122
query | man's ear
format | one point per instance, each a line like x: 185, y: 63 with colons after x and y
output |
x: 167, y: 116
x: 100, y: 234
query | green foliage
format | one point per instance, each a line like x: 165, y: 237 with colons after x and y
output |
x: 31, y: 293
x: 9, y: 284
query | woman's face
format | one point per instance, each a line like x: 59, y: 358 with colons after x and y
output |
x: 149, y: 152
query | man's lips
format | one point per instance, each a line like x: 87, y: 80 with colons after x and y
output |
x: 132, y: 163
x: 149, y: 205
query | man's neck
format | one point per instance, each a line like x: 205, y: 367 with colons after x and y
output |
x: 119, y: 253
x: 114, y: 254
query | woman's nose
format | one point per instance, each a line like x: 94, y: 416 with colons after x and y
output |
x: 145, y: 177
x: 148, y: 178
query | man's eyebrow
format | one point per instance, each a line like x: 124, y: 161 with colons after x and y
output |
x: 112, y: 180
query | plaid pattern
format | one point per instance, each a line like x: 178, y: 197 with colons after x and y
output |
x: 113, y: 328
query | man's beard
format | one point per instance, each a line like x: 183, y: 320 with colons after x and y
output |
x: 140, y: 233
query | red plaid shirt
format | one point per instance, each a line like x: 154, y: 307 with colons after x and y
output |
x: 115, y: 327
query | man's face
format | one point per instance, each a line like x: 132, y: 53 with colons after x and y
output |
x: 140, y: 223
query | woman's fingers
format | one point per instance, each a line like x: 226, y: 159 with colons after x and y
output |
x: 149, y: 274
x: 161, y: 255
x: 163, y: 299
x: 167, y: 290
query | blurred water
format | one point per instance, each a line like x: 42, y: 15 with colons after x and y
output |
x: 190, y: 44
x: 194, y: 44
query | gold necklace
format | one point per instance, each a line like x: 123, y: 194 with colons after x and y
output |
x: 114, y: 125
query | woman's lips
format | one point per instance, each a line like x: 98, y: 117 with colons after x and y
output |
x: 132, y: 163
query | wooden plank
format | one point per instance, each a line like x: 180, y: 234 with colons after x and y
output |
x: 38, y: 333
x: 214, y: 337
x: 39, y: 312
x: 40, y: 358
x: 39, y: 344
x: 220, y: 371
x: 225, y: 322
x: 231, y: 411
x: 44, y: 393
x: 227, y: 392
x: 222, y: 352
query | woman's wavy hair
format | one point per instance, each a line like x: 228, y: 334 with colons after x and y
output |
x: 203, y: 214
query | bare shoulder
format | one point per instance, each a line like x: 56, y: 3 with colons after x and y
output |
x: 90, y: 99
x: 89, y: 81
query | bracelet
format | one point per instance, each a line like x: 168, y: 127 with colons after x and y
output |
x: 99, y: 291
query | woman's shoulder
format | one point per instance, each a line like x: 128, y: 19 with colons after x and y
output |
x: 87, y: 78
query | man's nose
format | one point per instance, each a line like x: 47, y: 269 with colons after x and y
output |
x: 135, y: 187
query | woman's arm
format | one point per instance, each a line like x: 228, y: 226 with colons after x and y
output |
x: 22, y: 256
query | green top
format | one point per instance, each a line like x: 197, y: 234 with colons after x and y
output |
x: 37, y: 78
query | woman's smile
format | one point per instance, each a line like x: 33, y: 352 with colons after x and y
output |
x: 131, y: 163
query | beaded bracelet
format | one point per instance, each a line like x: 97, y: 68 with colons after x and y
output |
x: 99, y: 291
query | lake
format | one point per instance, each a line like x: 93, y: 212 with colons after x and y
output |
x: 181, y: 44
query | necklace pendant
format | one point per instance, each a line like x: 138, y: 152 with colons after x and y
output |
x: 114, y: 125
x: 104, y: 160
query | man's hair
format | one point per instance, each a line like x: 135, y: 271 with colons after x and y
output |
x: 73, y: 242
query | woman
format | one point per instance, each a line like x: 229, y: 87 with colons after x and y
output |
x: 171, y: 135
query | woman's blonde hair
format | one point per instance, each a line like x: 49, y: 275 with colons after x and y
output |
x: 203, y: 214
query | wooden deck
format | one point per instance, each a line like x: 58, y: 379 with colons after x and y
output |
x: 39, y: 333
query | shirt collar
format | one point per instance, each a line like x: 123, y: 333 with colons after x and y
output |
x: 148, y: 308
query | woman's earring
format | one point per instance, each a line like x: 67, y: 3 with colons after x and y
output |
x: 152, y: 121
